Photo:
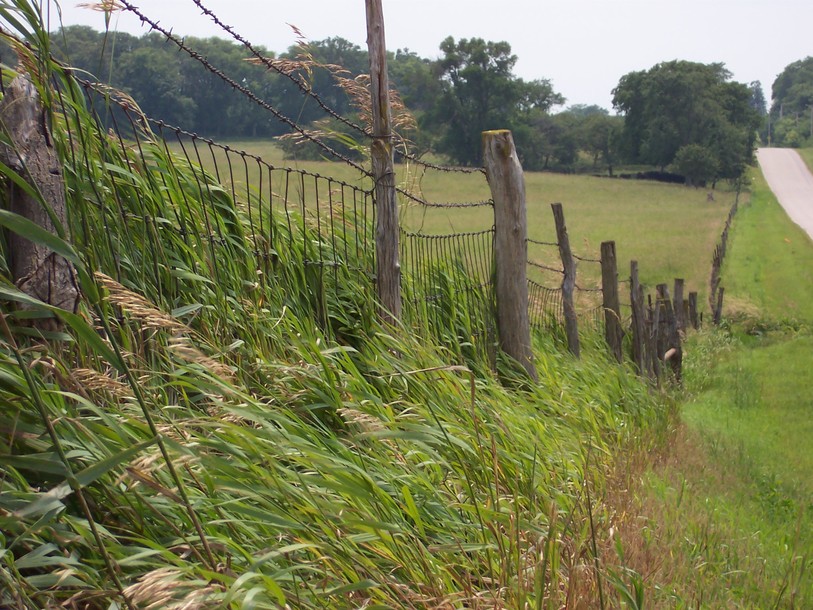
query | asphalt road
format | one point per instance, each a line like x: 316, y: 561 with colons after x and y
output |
x: 791, y: 182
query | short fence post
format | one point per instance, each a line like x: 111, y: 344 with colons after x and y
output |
x: 507, y: 183
x: 669, y: 347
x: 693, y: 317
x: 654, y: 323
x: 718, y: 309
x: 680, y: 318
x: 569, y: 280
x: 388, y: 268
x: 613, y: 332
x: 638, y: 320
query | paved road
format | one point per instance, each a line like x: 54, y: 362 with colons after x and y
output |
x: 791, y: 182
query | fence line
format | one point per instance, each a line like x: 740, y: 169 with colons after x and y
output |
x: 326, y: 222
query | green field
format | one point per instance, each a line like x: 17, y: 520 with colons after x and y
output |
x: 670, y: 229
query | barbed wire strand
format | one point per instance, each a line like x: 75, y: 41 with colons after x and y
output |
x: 305, y: 90
x: 268, y: 63
x: 242, y: 89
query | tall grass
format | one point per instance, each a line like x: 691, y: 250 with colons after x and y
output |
x: 201, y: 436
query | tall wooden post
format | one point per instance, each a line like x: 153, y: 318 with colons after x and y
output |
x: 613, y: 332
x: 388, y: 269
x: 504, y: 174
x: 569, y: 280
x: 639, y: 339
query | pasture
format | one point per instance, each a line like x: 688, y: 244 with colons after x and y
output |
x: 670, y: 229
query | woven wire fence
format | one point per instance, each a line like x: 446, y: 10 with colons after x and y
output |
x: 194, y: 221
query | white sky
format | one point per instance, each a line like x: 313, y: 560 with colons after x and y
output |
x: 582, y: 46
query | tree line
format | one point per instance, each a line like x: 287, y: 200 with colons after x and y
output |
x: 679, y: 117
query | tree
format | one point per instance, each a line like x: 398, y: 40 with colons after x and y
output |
x: 479, y: 92
x: 153, y: 79
x: 792, y: 108
x: 758, y: 102
x: 680, y: 103
x: 697, y: 163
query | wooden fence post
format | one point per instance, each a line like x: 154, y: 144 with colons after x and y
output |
x: 669, y: 347
x: 613, y: 332
x: 507, y: 183
x: 638, y: 320
x: 569, y: 280
x: 693, y: 317
x: 718, y: 307
x: 654, y: 324
x: 35, y: 268
x: 388, y: 268
x: 680, y: 318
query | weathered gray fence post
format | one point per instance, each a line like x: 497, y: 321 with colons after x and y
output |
x: 569, y: 280
x: 718, y: 307
x: 35, y: 269
x: 669, y: 346
x: 680, y: 318
x: 693, y: 317
x: 507, y: 183
x: 654, y: 331
x: 613, y: 332
x: 639, y: 341
x: 388, y: 268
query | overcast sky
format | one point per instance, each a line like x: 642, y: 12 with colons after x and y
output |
x: 582, y: 46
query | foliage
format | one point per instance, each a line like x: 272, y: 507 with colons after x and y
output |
x: 792, y: 104
x: 678, y: 103
x: 697, y: 163
x: 479, y: 92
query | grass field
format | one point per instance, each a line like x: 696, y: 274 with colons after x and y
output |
x: 670, y: 229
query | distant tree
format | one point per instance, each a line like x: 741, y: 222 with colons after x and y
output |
x: 680, y: 103
x: 758, y: 102
x: 153, y: 79
x: 793, y: 102
x: 319, y: 63
x: 696, y: 163
x: 480, y: 92
x: 415, y: 79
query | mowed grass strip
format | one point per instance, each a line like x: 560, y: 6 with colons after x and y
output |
x: 768, y: 271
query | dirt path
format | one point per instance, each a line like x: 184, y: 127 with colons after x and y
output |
x: 791, y: 182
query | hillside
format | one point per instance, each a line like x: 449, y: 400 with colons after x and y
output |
x: 224, y: 423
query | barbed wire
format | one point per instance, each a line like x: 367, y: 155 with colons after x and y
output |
x: 441, y: 168
x: 238, y: 87
x: 102, y: 89
x: 545, y: 267
x: 268, y: 63
x: 429, y: 204
x: 585, y: 259
x: 582, y: 289
x: 315, y: 96
x: 542, y: 243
